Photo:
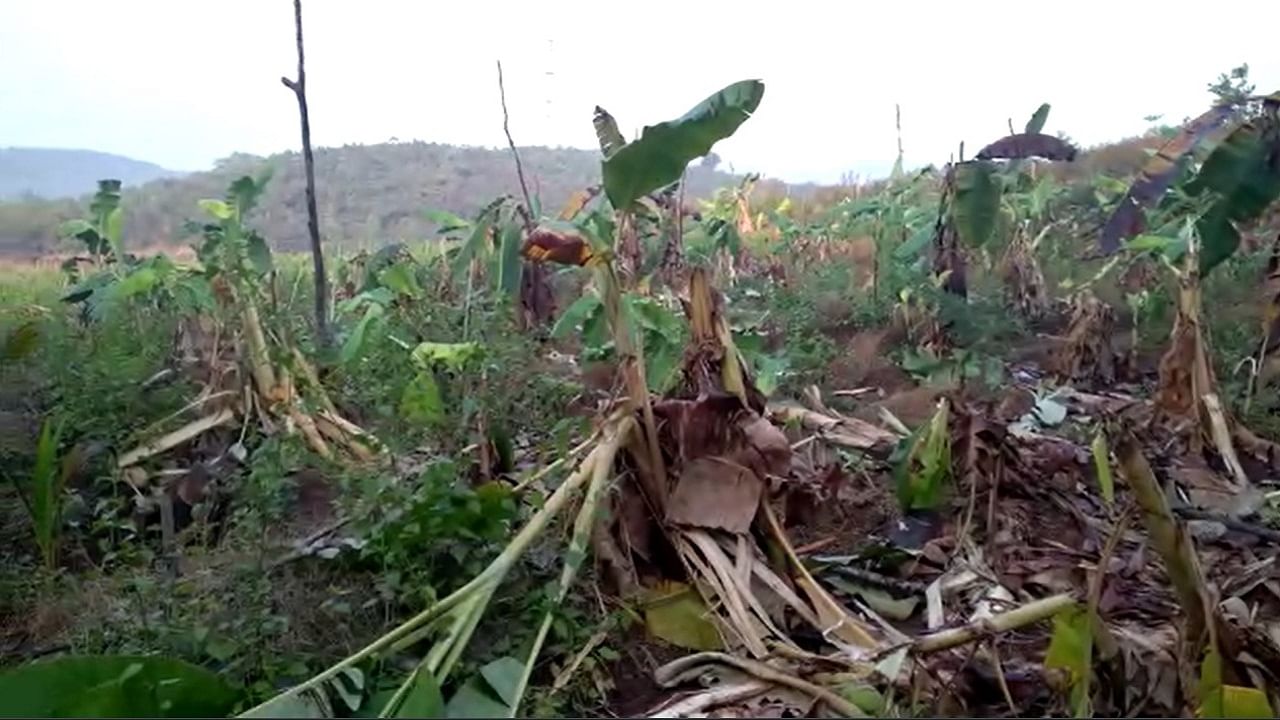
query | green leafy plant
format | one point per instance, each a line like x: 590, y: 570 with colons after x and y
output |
x: 113, y: 686
x: 229, y: 246
x: 663, y: 151
x: 101, y: 232
x: 117, y: 277
x: 441, y: 531
x: 452, y: 620
x: 1071, y: 652
x: 1219, y: 700
x: 922, y: 464
x: 47, y: 481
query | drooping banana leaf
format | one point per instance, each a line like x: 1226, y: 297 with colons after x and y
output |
x: 664, y: 150
x: 509, y: 267
x: 1028, y: 145
x: 611, y: 140
x: 1243, y: 171
x: 1157, y: 175
x: 976, y: 206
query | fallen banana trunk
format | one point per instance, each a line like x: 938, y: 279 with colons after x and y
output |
x: 843, y: 431
x: 173, y: 439
x: 455, y: 618
x: 781, y: 668
x: 765, y: 674
x: 273, y: 392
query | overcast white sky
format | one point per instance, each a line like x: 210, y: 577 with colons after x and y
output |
x: 184, y: 82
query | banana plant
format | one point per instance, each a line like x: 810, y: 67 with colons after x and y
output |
x: 972, y: 213
x: 117, y: 278
x: 658, y: 158
x: 101, y: 232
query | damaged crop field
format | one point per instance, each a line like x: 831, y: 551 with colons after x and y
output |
x: 996, y: 438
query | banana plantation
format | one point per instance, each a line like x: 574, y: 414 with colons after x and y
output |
x: 991, y: 438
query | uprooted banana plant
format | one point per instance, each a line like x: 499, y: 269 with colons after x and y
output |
x: 450, y: 622
x: 279, y: 386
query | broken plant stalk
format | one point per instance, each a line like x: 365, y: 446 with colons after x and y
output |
x: 583, y: 524
x: 464, y: 607
x: 175, y: 438
x: 670, y: 673
x: 631, y: 357
x: 1187, y: 390
x: 1171, y: 540
x: 1177, y: 549
x: 1029, y: 614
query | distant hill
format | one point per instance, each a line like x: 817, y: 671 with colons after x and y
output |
x: 367, y: 194
x: 371, y: 195
x: 55, y: 173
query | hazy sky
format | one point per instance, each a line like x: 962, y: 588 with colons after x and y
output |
x: 184, y: 82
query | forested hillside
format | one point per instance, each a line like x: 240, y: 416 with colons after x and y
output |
x: 366, y: 194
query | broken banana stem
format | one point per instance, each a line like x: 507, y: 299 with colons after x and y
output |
x: 313, y: 379
x: 583, y: 525
x: 335, y: 433
x: 843, y: 431
x: 259, y: 360
x: 308, y: 428
x: 1170, y: 538
x: 482, y: 585
x: 841, y: 623
x: 183, y: 434
x: 1029, y: 614
x: 632, y: 356
x: 668, y: 674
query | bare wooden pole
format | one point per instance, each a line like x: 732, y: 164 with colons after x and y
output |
x: 299, y: 88
x: 506, y: 128
x: 536, y: 301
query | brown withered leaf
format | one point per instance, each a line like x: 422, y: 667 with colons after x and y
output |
x: 1088, y: 353
x: 545, y: 245
x: 1029, y: 145
x: 690, y: 429
x: 770, y: 450
x: 715, y: 492
x: 577, y: 202
x: 537, y: 301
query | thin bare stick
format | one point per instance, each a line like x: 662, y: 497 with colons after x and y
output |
x: 506, y: 128
x: 552, y: 467
x: 1001, y: 680
x: 299, y: 88
x: 562, y: 679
